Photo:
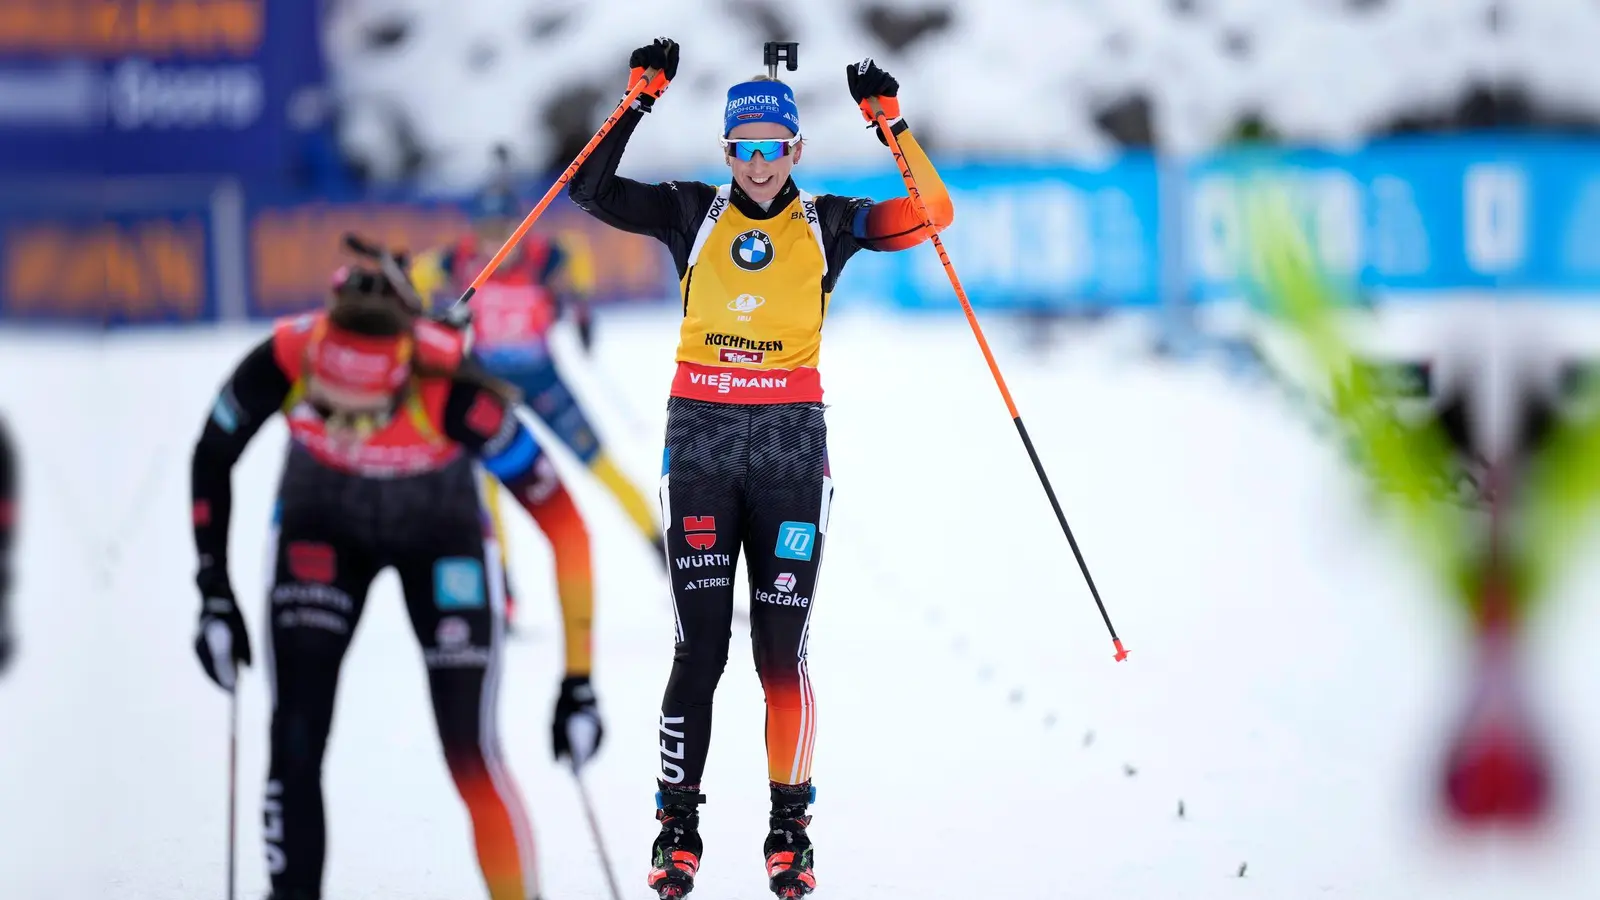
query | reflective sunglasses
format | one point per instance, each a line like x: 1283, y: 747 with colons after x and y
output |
x: 746, y: 150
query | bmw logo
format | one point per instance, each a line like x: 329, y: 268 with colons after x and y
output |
x: 752, y: 250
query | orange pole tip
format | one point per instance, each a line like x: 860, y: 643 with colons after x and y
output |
x: 1121, y: 653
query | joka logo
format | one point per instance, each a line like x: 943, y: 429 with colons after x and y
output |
x: 745, y: 304
x: 784, y: 582
x: 740, y: 356
x: 796, y: 541
x: 752, y: 250
x: 700, y: 531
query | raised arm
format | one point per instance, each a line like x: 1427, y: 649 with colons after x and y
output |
x: 670, y: 211
x: 896, y: 224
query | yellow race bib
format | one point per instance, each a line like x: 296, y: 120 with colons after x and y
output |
x: 753, y: 306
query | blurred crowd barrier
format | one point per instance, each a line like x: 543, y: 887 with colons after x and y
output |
x: 156, y: 86
x: 1418, y: 214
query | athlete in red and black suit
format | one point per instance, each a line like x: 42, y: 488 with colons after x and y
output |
x: 387, y: 421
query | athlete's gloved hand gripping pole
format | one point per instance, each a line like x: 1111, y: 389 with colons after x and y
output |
x: 875, y: 90
x: 652, y: 69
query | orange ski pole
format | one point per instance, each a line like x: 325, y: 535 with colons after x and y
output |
x: 516, y: 236
x: 994, y: 368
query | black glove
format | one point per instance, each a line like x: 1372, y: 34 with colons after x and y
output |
x: 661, y: 55
x: 577, y: 731
x: 221, y: 641
x: 867, y: 83
x: 457, y: 317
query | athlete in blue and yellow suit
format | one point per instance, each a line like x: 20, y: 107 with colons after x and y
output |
x: 511, y: 318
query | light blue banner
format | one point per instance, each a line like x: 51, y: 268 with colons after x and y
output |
x: 1023, y: 237
x: 1518, y: 214
x: 1416, y: 214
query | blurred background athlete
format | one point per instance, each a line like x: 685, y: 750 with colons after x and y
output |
x: 387, y: 419
x: 512, y: 314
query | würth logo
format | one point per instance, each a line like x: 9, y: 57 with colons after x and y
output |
x: 700, y: 531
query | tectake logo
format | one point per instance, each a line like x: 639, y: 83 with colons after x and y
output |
x: 784, y: 582
x: 452, y: 633
x: 783, y: 599
x: 740, y: 356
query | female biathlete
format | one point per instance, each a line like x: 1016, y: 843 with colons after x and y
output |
x: 387, y: 421
x: 746, y: 462
x: 512, y: 314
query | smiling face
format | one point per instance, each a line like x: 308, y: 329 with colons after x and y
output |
x: 759, y: 177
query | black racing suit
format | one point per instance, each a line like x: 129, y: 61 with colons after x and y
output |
x: 334, y: 532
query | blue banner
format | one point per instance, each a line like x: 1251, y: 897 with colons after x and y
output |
x: 139, y: 87
x: 1424, y: 214
x: 1416, y: 214
x: 1023, y: 237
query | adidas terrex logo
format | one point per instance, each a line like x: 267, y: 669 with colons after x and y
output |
x: 735, y: 342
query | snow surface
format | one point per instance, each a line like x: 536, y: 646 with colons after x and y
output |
x: 1007, y: 78
x: 1290, y: 680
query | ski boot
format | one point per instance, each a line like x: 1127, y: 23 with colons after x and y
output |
x: 675, y: 856
x: 292, y: 894
x: 788, y: 848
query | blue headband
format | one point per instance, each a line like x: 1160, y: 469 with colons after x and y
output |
x: 760, y: 101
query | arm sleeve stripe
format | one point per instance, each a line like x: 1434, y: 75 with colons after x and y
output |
x: 516, y: 459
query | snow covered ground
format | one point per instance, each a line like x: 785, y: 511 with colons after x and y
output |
x: 1289, y: 683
